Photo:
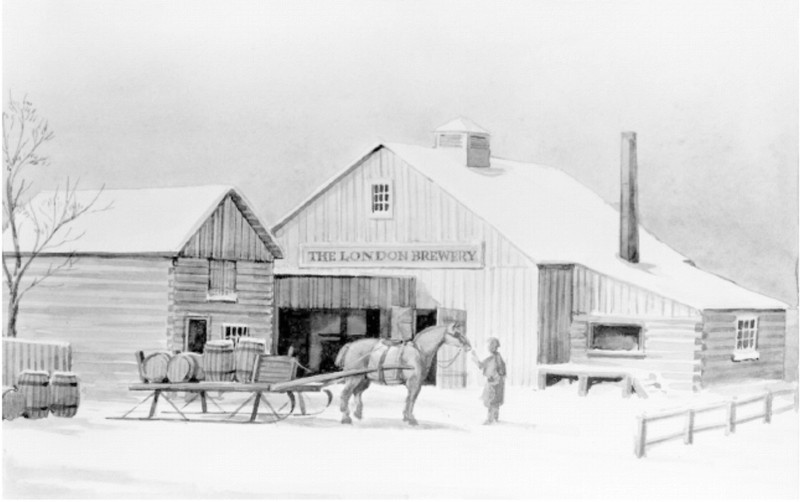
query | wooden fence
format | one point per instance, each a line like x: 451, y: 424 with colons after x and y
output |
x: 21, y: 355
x: 729, y: 424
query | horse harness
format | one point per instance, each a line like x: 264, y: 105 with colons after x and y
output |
x: 382, y: 360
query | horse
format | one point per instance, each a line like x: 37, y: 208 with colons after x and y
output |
x: 372, y: 353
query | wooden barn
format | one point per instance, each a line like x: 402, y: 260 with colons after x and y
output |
x: 408, y: 236
x: 156, y: 269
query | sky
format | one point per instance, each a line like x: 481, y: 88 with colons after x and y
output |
x: 276, y: 97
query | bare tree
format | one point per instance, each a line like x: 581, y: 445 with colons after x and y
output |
x: 24, y: 133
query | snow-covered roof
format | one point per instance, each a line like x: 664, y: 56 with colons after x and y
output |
x: 553, y: 218
x: 156, y: 221
x: 461, y: 124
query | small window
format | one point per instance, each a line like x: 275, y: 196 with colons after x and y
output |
x: 234, y: 332
x: 616, y: 340
x: 381, y: 199
x: 746, y: 338
x: 222, y: 280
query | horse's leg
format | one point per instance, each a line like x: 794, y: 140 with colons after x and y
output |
x: 347, y: 391
x: 414, y: 384
x: 360, y: 388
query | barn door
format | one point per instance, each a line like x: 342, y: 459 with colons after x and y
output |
x: 451, y: 370
x: 402, y: 327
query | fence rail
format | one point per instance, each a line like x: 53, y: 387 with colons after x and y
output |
x: 731, y: 419
x: 19, y: 355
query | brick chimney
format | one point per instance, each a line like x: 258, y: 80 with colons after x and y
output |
x: 628, y: 207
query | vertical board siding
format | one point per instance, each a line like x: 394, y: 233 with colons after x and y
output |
x: 19, y: 355
x: 331, y: 292
x: 719, y: 342
x: 596, y: 293
x: 228, y: 235
x: 188, y: 297
x: 106, y: 309
x: 422, y: 213
x: 500, y: 298
x: 555, y: 313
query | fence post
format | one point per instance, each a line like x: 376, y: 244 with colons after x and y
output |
x: 641, y: 436
x: 768, y: 408
x: 730, y: 426
x: 688, y: 428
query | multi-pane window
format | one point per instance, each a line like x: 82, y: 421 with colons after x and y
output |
x: 222, y: 279
x: 381, y: 199
x: 234, y: 332
x: 746, y: 334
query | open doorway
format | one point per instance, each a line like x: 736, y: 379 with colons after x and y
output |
x: 196, y: 334
x: 317, y: 335
x: 426, y: 319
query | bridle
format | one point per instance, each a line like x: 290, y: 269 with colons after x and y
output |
x: 460, y: 337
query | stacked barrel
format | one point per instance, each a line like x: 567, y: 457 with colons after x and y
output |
x: 39, y: 394
x: 221, y: 361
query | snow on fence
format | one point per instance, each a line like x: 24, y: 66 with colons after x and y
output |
x: 728, y: 424
x: 19, y: 355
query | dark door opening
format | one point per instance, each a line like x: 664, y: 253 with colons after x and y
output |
x: 426, y: 319
x: 316, y: 335
x: 294, y: 327
x: 196, y: 335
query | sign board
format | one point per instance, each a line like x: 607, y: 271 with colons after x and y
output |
x: 418, y: 255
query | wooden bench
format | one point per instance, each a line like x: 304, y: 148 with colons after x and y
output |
x: 587, y: 375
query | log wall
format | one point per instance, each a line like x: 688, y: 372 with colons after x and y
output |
x: 671, y: 348
x: 106, y: 308
x: 188, y: 297
x: 719, y: 342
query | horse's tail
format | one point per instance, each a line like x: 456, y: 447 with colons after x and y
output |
x: 339, y: 361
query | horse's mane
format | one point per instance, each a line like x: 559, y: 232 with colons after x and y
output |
x: 427, y: 331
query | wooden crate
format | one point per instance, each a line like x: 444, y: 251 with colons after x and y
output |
x: 275, y: 369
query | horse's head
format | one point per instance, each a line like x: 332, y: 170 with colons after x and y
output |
x: 454, y: 335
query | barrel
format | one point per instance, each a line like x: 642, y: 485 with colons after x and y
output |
x: 34, y: 385
x: 218, y: 361
x: 155, y: 367
x: 245, y: 357
x: 185, y: 367
x: 64, y: 394
x: 13, y: 403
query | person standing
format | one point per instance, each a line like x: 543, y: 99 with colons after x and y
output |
x: 494, y: 369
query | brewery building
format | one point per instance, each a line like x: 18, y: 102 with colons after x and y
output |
x: 411, y: 236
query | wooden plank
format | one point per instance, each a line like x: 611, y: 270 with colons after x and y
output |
x: 664, y: 438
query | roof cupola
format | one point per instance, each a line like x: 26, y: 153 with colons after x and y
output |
x: 466, y: 140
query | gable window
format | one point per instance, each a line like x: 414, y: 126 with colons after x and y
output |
x: 746, y: 338
x: 222, y: 280
x: 616, y: 340
x: 381, y: 199
x: 235, y: 331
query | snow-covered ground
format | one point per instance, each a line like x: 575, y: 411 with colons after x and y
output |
x: 549, y: 444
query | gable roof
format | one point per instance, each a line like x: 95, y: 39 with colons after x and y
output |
x: 553, y: 218
x: 152, y: 221
x: 461, y: 124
